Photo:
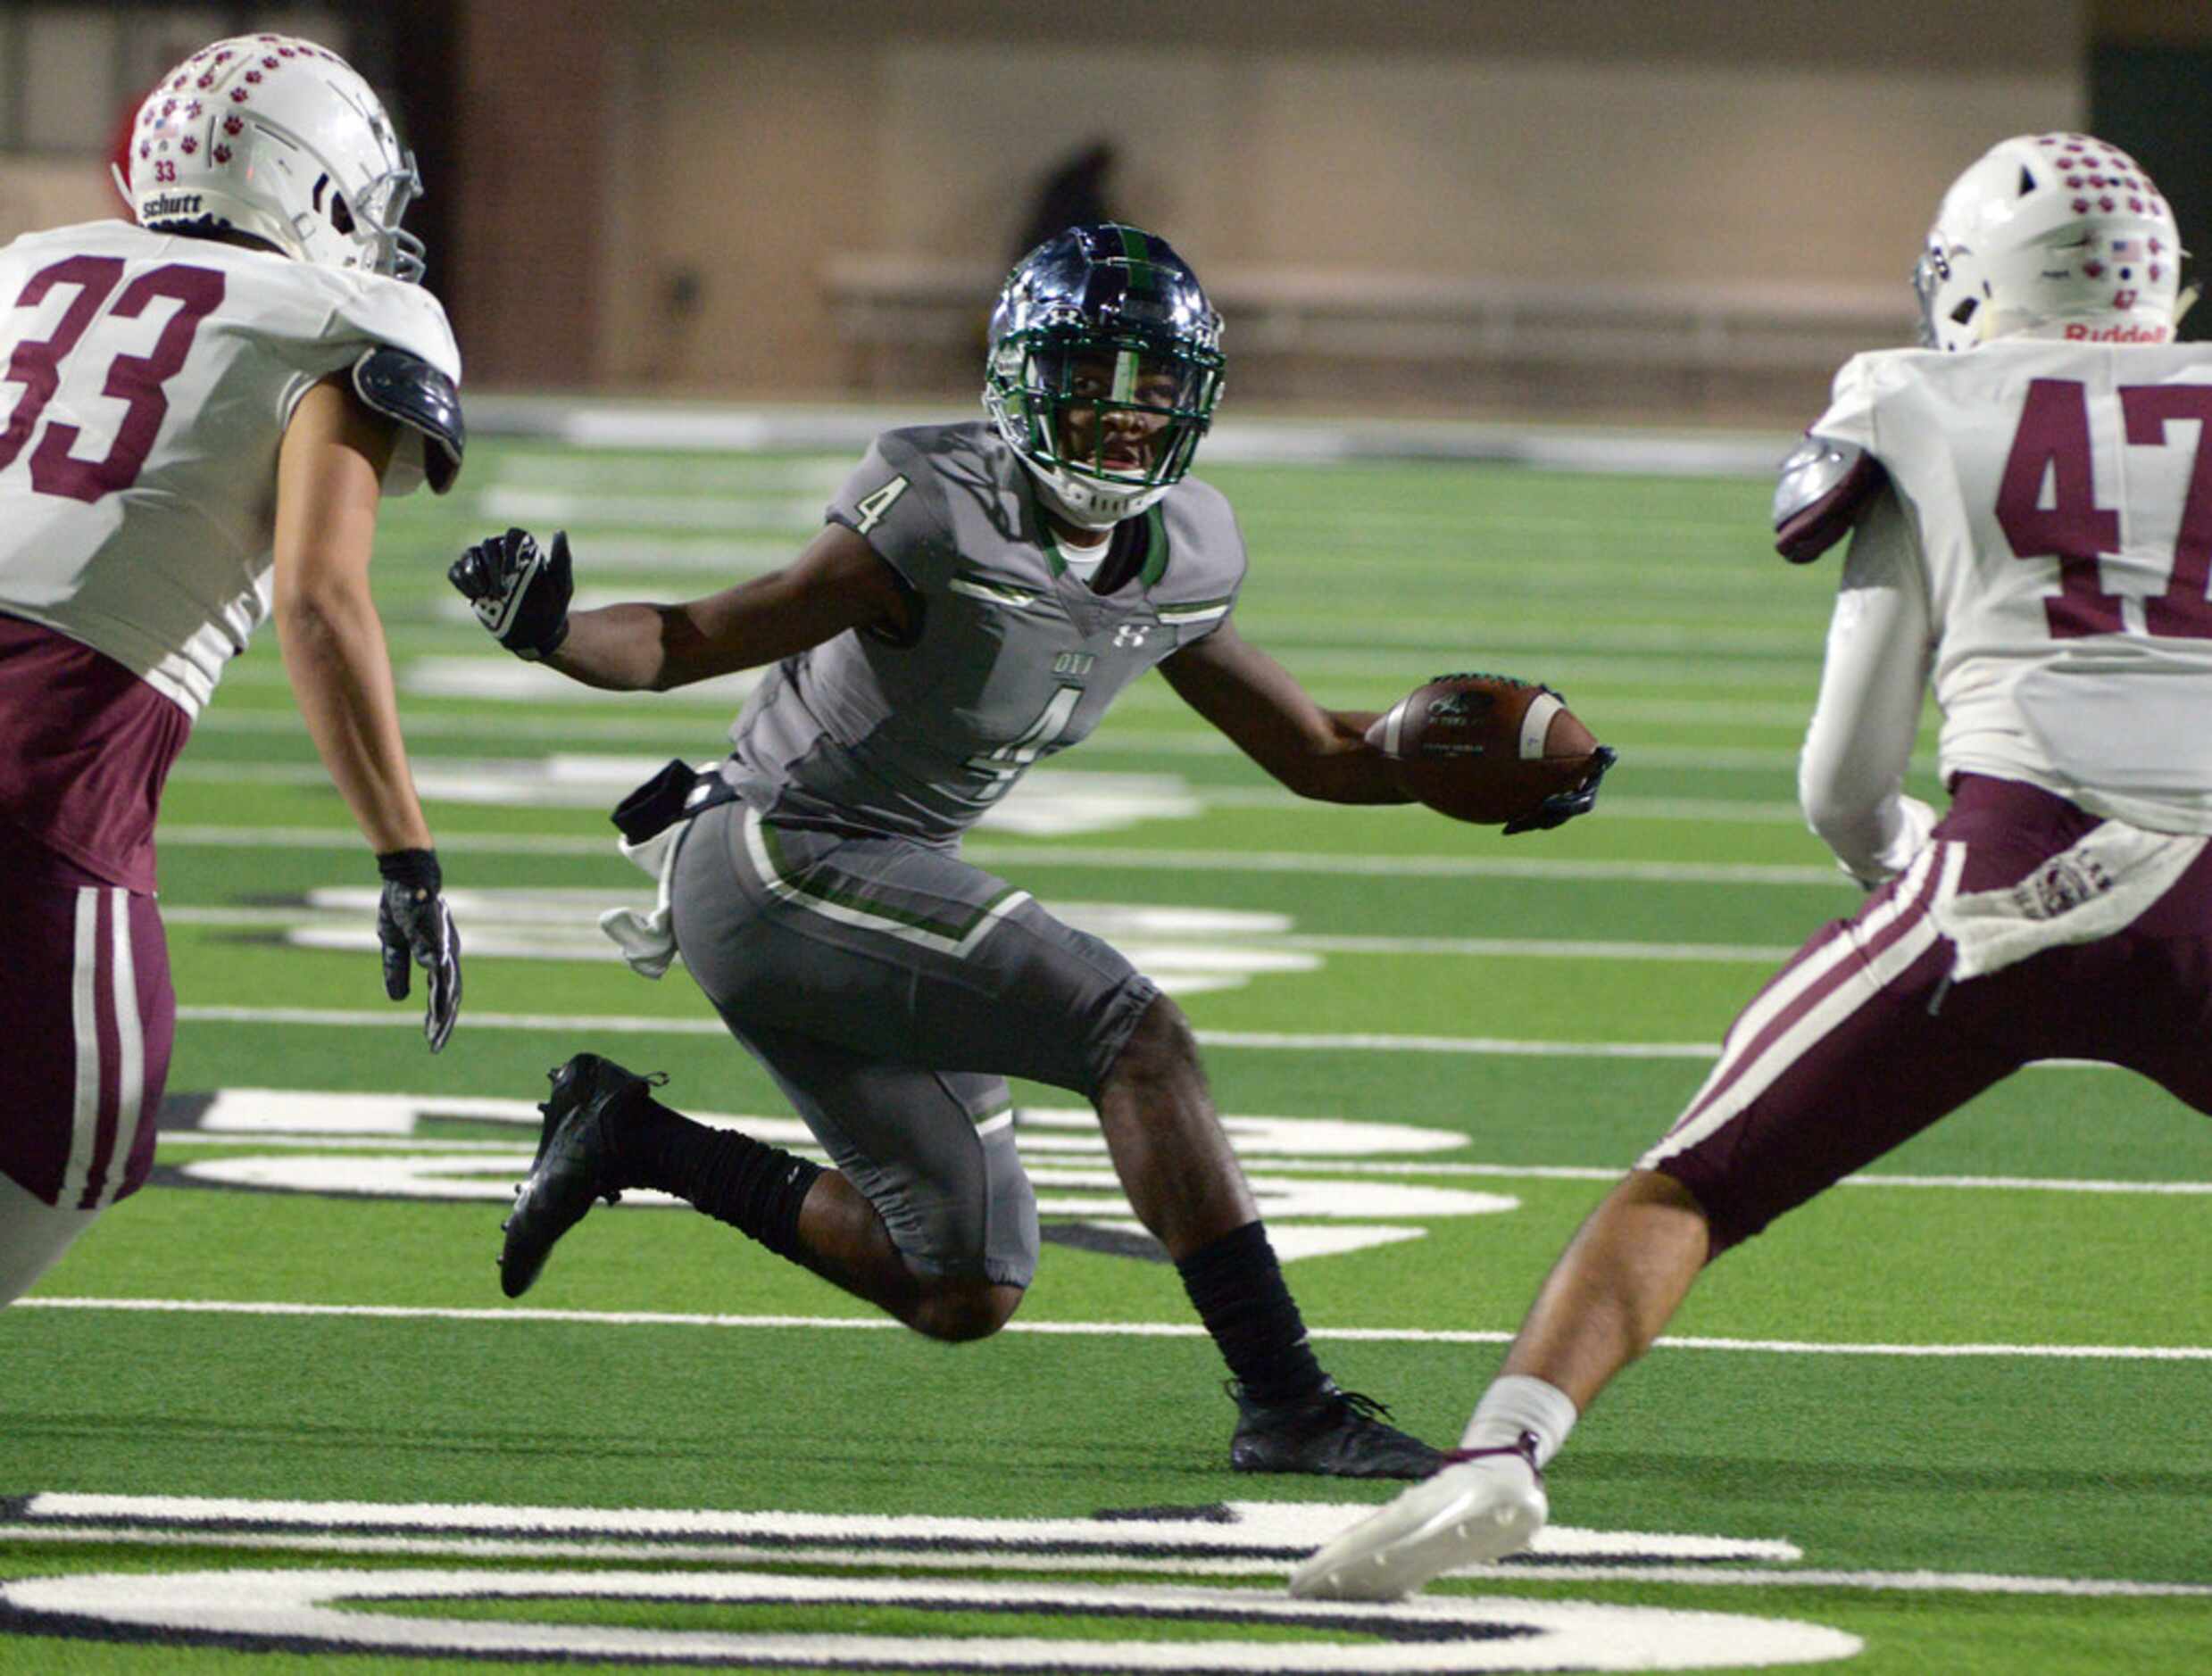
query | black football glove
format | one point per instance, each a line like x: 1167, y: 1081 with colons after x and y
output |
x: 520, y: 592
x: 414, y: 923
x: 1562, y: 807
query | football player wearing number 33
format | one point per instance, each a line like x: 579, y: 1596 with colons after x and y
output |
x: 204, y: 410
x: 2029, y: 500
x: 979, y: 595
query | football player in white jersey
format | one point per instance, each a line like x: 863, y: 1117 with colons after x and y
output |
x: 2029, y: 498
x: 201, y: 411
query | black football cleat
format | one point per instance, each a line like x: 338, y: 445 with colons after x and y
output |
x: 1333, y: 1433
x: 574, y: 1163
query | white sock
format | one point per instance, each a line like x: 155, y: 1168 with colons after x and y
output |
x: 1515, y: 1404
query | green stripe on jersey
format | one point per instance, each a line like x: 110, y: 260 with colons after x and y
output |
x: 851, y: 906
x: 1196, y: 611
x: 1155, y: 547
x: 995, y: 593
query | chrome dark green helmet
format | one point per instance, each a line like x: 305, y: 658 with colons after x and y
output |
x: 1104, y: 368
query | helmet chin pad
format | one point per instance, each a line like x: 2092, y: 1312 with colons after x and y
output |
x: 1084, y: 503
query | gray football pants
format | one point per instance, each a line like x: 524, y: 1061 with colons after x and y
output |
x: 891, y: 989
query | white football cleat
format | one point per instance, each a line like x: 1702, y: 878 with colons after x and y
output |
x: 1484, y: 1505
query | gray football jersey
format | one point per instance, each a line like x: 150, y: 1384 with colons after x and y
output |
x: 1013, y: 657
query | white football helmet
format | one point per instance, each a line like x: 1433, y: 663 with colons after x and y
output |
x: 2056, y: 236
x: 278, y: 138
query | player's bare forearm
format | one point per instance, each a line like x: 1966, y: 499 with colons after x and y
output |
x: 328, y: 471
x: 836, y: 583
x: 341, y: 675
x: 1350, y: 770
x: 1316, y: 752
x: 621, y: 647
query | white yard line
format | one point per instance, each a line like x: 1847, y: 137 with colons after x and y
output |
x: 1732, y: 811
x: 1472, y: 948
x: 254, y: 1140
x: 987, y: 852
x: 1013, y: 1560
x: 401, y: 1017
x: 619, y: 1024
x: 1086, y: 1329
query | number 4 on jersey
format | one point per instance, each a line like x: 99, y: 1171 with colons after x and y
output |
x: 875, y: 503
x: 2052, y: 446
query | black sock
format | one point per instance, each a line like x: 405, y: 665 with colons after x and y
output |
x: 755, y: 1188
x: 1237, y: 1286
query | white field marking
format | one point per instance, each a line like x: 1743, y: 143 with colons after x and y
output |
x: 535, y: 783
x: 1696, y: 674
x: 332, y: 838
x: 1739, y: 811
x: 1280, y: 1529
x: 317, y: 916
x: 728, y: 1549
x: 173, y: 1139
x: 335, y: 1121
x: 994, y: 855
x: 590, y: 511
x: 301, y: 1608
x: 1519, y: 1567
x: 657, y: 474
x: 1407, y: 867
x: 670, y: 736
x: 621, y: 1024
x: 1101, y: 803
x: 1535, y: 948
x: 1091, y: 1329
x: 1307, y: 1218
x: 843, y: 432
x: 501, y: 678
x: 251, y: 1113
x: 617, y: 1023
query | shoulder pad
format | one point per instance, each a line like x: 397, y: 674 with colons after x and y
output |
x: 1825, y: 485
x: 408, y: 388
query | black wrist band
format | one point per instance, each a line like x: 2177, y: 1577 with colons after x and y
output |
x: 416, y: 869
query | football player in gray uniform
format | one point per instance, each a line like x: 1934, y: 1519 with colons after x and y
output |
x: 979, y: 596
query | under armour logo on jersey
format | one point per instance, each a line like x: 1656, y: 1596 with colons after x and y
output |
x: 1131, y: 633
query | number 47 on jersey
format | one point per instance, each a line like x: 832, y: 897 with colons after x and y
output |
x: 2047, y: 506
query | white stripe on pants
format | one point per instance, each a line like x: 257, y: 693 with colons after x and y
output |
x: 120, y: 993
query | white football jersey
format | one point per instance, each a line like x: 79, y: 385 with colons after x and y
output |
x: 2059, y: 495
x: 147, y: 379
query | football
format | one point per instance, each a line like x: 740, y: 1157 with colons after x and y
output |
x: 1483, y: 748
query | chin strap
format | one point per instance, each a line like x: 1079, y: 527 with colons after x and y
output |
x: 1055, y: 501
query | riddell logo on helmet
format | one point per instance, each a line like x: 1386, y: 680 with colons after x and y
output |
x: 172, y: 204
x: 2127, y: 332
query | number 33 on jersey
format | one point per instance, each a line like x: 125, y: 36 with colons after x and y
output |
x: 155, y: 374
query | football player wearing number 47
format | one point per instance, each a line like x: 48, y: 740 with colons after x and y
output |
x: 2029, y: 501
x: 979, y: 596
x: 205, y: 408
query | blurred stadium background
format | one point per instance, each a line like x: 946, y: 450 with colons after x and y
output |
x: 1516, y: 210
